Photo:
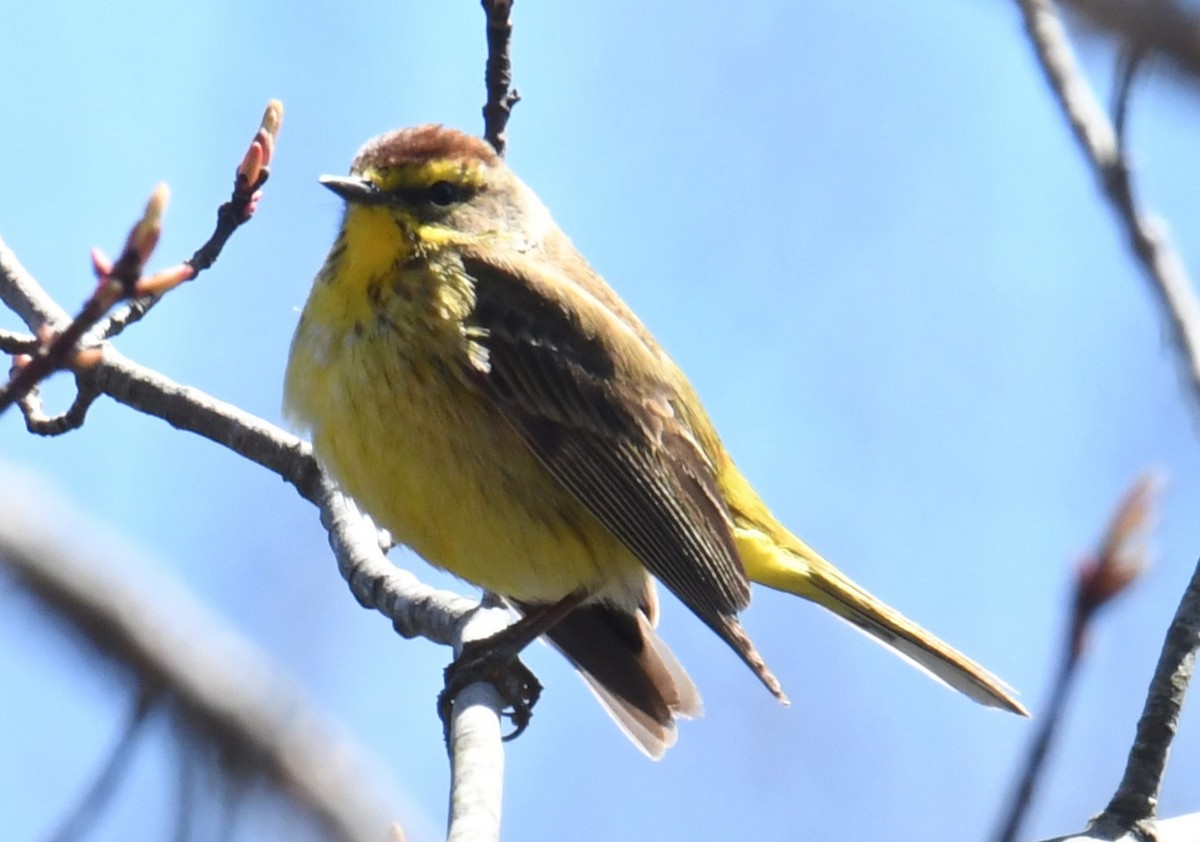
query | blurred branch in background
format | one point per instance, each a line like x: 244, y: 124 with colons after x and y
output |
x: 1100, y: 144
x: 1164, y: 28
x: 1117, y: 563
x: 225, y: 694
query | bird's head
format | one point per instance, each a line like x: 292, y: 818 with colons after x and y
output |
x: 440, y: 187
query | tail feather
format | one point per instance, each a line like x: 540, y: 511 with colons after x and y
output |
x: 631, y: 671
x: 791, y: 566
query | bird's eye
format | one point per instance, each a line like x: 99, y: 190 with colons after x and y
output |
x: 443, y: 193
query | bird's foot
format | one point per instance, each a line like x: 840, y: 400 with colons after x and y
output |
x: 495, y: 661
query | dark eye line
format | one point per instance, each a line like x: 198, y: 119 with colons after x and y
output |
x: 441, y: 194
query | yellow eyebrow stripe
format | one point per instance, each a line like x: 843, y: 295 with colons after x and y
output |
x: 418, y: 176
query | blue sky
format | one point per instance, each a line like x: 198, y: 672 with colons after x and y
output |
x: 864, y: 232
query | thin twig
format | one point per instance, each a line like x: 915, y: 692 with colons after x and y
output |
x: 117, y: 280
x: 1039, y: 750
x: 1116, y: 563
x: 248, y: 179
x: 41, y: 424
x: 501, y: 96
x: 1129, y: 62
x: 251, y: 175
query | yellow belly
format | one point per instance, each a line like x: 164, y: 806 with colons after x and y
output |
x: 440, y: 469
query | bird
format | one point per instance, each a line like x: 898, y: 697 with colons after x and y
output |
x: 476, y: 386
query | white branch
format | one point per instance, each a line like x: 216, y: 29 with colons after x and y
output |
x: 1179, y: 829
x: 476, y: 749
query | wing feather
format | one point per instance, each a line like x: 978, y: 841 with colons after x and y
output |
x: 577, y: 382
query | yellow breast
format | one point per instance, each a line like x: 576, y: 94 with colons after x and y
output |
x: 374, y: 376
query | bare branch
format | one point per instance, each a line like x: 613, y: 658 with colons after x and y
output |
x: 501, y: 96
x: 414, y: 608
x: 17, y: 343
x: 41, y: 424
x: 1136, y: 799
x: 116, y: 281
x: 476, y: 747
x: 24, y: 295
x: 251, y: 174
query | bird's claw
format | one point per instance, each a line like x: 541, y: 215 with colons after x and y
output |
x: 518, y: 687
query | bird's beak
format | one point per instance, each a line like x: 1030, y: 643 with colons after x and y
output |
x: 353, y: 189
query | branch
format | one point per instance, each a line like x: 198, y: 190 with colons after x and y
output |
x: 116, y: 281
x: 1148, y: 236
x: 41, y: 424
x: 1136, y: 799
x: 476, y: 747
x: 501, y: 96
x: 225, y: 689
x: 24, y: 295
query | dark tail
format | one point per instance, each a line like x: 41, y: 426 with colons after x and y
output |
x: 630, y: 670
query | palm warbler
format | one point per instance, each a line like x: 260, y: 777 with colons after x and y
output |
x: 480, y: 390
